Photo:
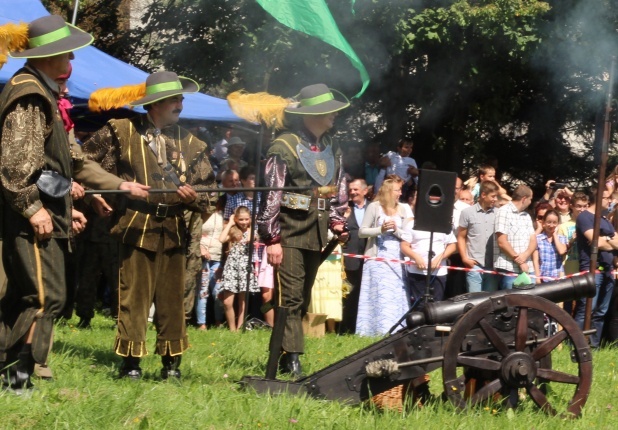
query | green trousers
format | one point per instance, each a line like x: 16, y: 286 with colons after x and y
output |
x: 295, y: 279
x: 148, y: 277
x: 35, y: 291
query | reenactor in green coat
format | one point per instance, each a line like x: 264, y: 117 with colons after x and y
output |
x: 294, y: 225
x: 150, y: 150
x: 35, y: 177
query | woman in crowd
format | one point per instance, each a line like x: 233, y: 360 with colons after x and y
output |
x: 211, y: 249
x: 551, y: 248
x: 384, y: 296
x: 540, y: 210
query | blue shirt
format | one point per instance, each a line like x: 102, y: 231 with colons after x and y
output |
x: 585, y: 222
x: 550, y: 261
x: 239, y: 199
x: 359, y: 213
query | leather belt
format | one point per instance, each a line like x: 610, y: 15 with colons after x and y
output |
x: 157, y: 210
x: 303, y: 202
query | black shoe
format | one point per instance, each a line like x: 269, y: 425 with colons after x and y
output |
x: 289, y: 363
x: 134, y: 374
x: 169, y: 373
x: 130, y: 368
x: 84, y: 323
x: 15, y: 380
x: 16, y: 377
x: 170, y: 367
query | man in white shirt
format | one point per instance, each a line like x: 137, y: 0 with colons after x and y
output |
x: 515, y: 237
x: 415, y: 245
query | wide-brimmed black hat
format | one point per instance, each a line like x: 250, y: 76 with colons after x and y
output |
x: 161, y: 85
x: 317, y: 99
x: 49, y: 36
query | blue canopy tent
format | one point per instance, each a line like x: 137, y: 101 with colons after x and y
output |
x: 94, y: 69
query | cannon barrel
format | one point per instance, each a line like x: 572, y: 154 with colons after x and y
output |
x: 449, y: 310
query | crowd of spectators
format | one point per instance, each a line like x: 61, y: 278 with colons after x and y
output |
x: 497, y: 234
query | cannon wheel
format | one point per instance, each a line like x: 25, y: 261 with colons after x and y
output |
x: 520, y: 363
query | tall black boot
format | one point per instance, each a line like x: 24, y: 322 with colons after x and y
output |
x: 170, y: 366
x: 17, y: 376
x: 130, y: 368
x: 289, y: 362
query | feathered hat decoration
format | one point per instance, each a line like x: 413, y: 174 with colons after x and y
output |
x: 259, y: 107
x: 158, y: 86
x: 13, y: 37
x: 115, y: 98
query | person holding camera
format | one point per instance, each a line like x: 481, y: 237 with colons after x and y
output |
x: 559, y: 196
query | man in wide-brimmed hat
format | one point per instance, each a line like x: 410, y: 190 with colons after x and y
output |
x: 294, y: 225
x: 38, y: 220
x: 149, y: 150
x: 235, y: 148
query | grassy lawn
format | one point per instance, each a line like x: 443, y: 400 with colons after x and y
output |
x: 85, y: 393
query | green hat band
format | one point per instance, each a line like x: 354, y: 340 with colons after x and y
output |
x: 317, y: 99
x: 164, y: 86
x: 44, y: 39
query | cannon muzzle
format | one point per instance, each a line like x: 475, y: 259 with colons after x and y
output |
x: 449, y: 310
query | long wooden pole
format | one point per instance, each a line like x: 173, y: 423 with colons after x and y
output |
x: 607, y: 130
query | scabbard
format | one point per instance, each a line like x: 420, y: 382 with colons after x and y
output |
x: 276, y: 341
x: 328, y: 249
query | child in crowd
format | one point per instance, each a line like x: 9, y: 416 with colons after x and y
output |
x: 237, y: 232
x: 485, y: 173
x: 551, y: 248
x: 399, y: 163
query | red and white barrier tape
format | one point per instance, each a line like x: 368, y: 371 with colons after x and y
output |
x: 461, y: 269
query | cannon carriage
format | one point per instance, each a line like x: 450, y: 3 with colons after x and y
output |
x: 487, y: 344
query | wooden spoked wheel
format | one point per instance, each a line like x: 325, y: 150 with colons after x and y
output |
x: 517, y: 359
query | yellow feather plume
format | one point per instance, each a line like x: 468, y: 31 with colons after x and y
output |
x: 113, y: 98
x: 13, y: 37
x: 258, y: 107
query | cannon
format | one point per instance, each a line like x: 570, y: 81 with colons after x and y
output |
x: 488, y: 345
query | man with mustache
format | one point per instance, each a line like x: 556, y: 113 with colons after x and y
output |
x: 149, y: 150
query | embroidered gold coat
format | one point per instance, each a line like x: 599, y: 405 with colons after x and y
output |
x: 121, y: 149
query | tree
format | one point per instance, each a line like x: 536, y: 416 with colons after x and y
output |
x: 106, y: 20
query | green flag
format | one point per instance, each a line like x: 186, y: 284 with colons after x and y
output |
x: 313, y: 17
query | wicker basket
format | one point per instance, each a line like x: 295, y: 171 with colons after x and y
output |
x: 392, y: 399
x: 396, y: 397
x: 314, y: 325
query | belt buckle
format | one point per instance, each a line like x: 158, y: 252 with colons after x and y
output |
x: 321, y: 204
x: 161, y: 211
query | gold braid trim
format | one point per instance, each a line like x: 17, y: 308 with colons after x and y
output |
x: 124, y: 348
x: 172, y: 347
x: 13, y: 37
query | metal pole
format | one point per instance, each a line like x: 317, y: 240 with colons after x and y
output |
x: 75, y: 8
x: 201, y: 191
x: 258, y: 156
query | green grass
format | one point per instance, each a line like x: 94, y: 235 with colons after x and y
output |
x: 85, y: 393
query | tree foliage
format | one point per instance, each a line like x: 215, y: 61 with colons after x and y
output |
x: 514, y: 82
